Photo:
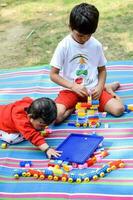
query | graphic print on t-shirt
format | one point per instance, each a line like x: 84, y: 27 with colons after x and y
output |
x: 81, y: 76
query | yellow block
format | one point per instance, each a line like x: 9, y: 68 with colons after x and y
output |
x: 130, y: 107
x: 89, y: 98
x: 90, y: 112
x: 4, y: 145
x: 81, y: 114
x: 78, y: 106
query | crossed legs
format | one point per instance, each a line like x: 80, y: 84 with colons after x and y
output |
x: 114, y: 106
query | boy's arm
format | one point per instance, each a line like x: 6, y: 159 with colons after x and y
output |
x: 49, y: 150
x: 78, y: 88
x: 101, y: 82
x: 101, y: 77
x: 55, y: 77
x: 25, y: 128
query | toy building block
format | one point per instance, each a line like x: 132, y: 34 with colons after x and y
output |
x: 130, y: 107
x: 81, y: 114
x: 83, y: 166
x: 104, y: 153
x: 71, y: 124
x: 90, y: 162
x: 48, y: 173
x: 64, y: 177
x: 38, y: 174
x: 51, y: 163
x: 102, y: 171
x: 19, y: 172
x: 126, y: 108
x: 90, y: 176
x: 67, y: 168
x: 25, y: 164
x: 46, y: 132
x: 75, y: 178
x: 4, y: 145
x: 74, y: 165
x: 32, y: 172
x: 104, y: 114
x: 98, y: 157
x: 116, y: 164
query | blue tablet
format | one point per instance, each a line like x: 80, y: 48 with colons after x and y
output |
x: 77, y: 148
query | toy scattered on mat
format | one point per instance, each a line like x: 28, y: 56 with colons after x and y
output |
x: 67, y: 166
x: 128, y: 108
x: 25, y: 164
x: 46, y: 132
x: 77, y: 148
x: 53, y: 173
x: 4, y: 145
x: 116, y: 164
x: 19, y: 172
x: 87, y: 114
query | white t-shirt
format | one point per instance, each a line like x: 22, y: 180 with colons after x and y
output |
x: 79, y: 61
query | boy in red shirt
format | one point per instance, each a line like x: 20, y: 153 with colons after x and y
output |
x: 24, y: 119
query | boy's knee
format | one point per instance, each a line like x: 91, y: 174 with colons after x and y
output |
x: 118, y: 111
x: 60, y: 116
x: 58, y: 120
x: 61, y: 109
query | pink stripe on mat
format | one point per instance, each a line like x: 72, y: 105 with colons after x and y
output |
x: 24, y: 73
x: 98, y: 130
x: 39, y: 161
x: 120, y: 67
x: 47, y: 90
x: 65, y: 195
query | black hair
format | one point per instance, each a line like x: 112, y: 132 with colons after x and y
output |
x: 43, y: 108
x: 84, y: 18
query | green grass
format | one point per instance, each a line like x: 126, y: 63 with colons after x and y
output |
x: 31, y: 29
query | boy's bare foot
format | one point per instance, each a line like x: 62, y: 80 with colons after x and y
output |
x: 112, y: 86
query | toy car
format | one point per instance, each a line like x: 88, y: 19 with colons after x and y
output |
x: 116, y: 164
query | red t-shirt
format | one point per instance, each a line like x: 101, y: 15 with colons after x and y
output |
x: 14, y: 119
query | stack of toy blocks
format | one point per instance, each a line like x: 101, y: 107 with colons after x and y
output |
x: 87, y: 113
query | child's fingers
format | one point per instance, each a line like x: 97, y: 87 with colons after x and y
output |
x: 57, y: 155
x: 53, y: 152
x: 83, y: 93
x: 59, y: 151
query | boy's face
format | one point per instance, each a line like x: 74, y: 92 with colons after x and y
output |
x: 79, y: 37
x: 38, y: 124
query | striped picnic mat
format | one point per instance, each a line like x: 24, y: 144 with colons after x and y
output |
x: 118, y: 140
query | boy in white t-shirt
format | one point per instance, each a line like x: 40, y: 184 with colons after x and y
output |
x: 80, y: 57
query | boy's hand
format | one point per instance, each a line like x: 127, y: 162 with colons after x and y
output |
x: 52, y: 152
x: 96, y: 93
x: 79, y: 89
